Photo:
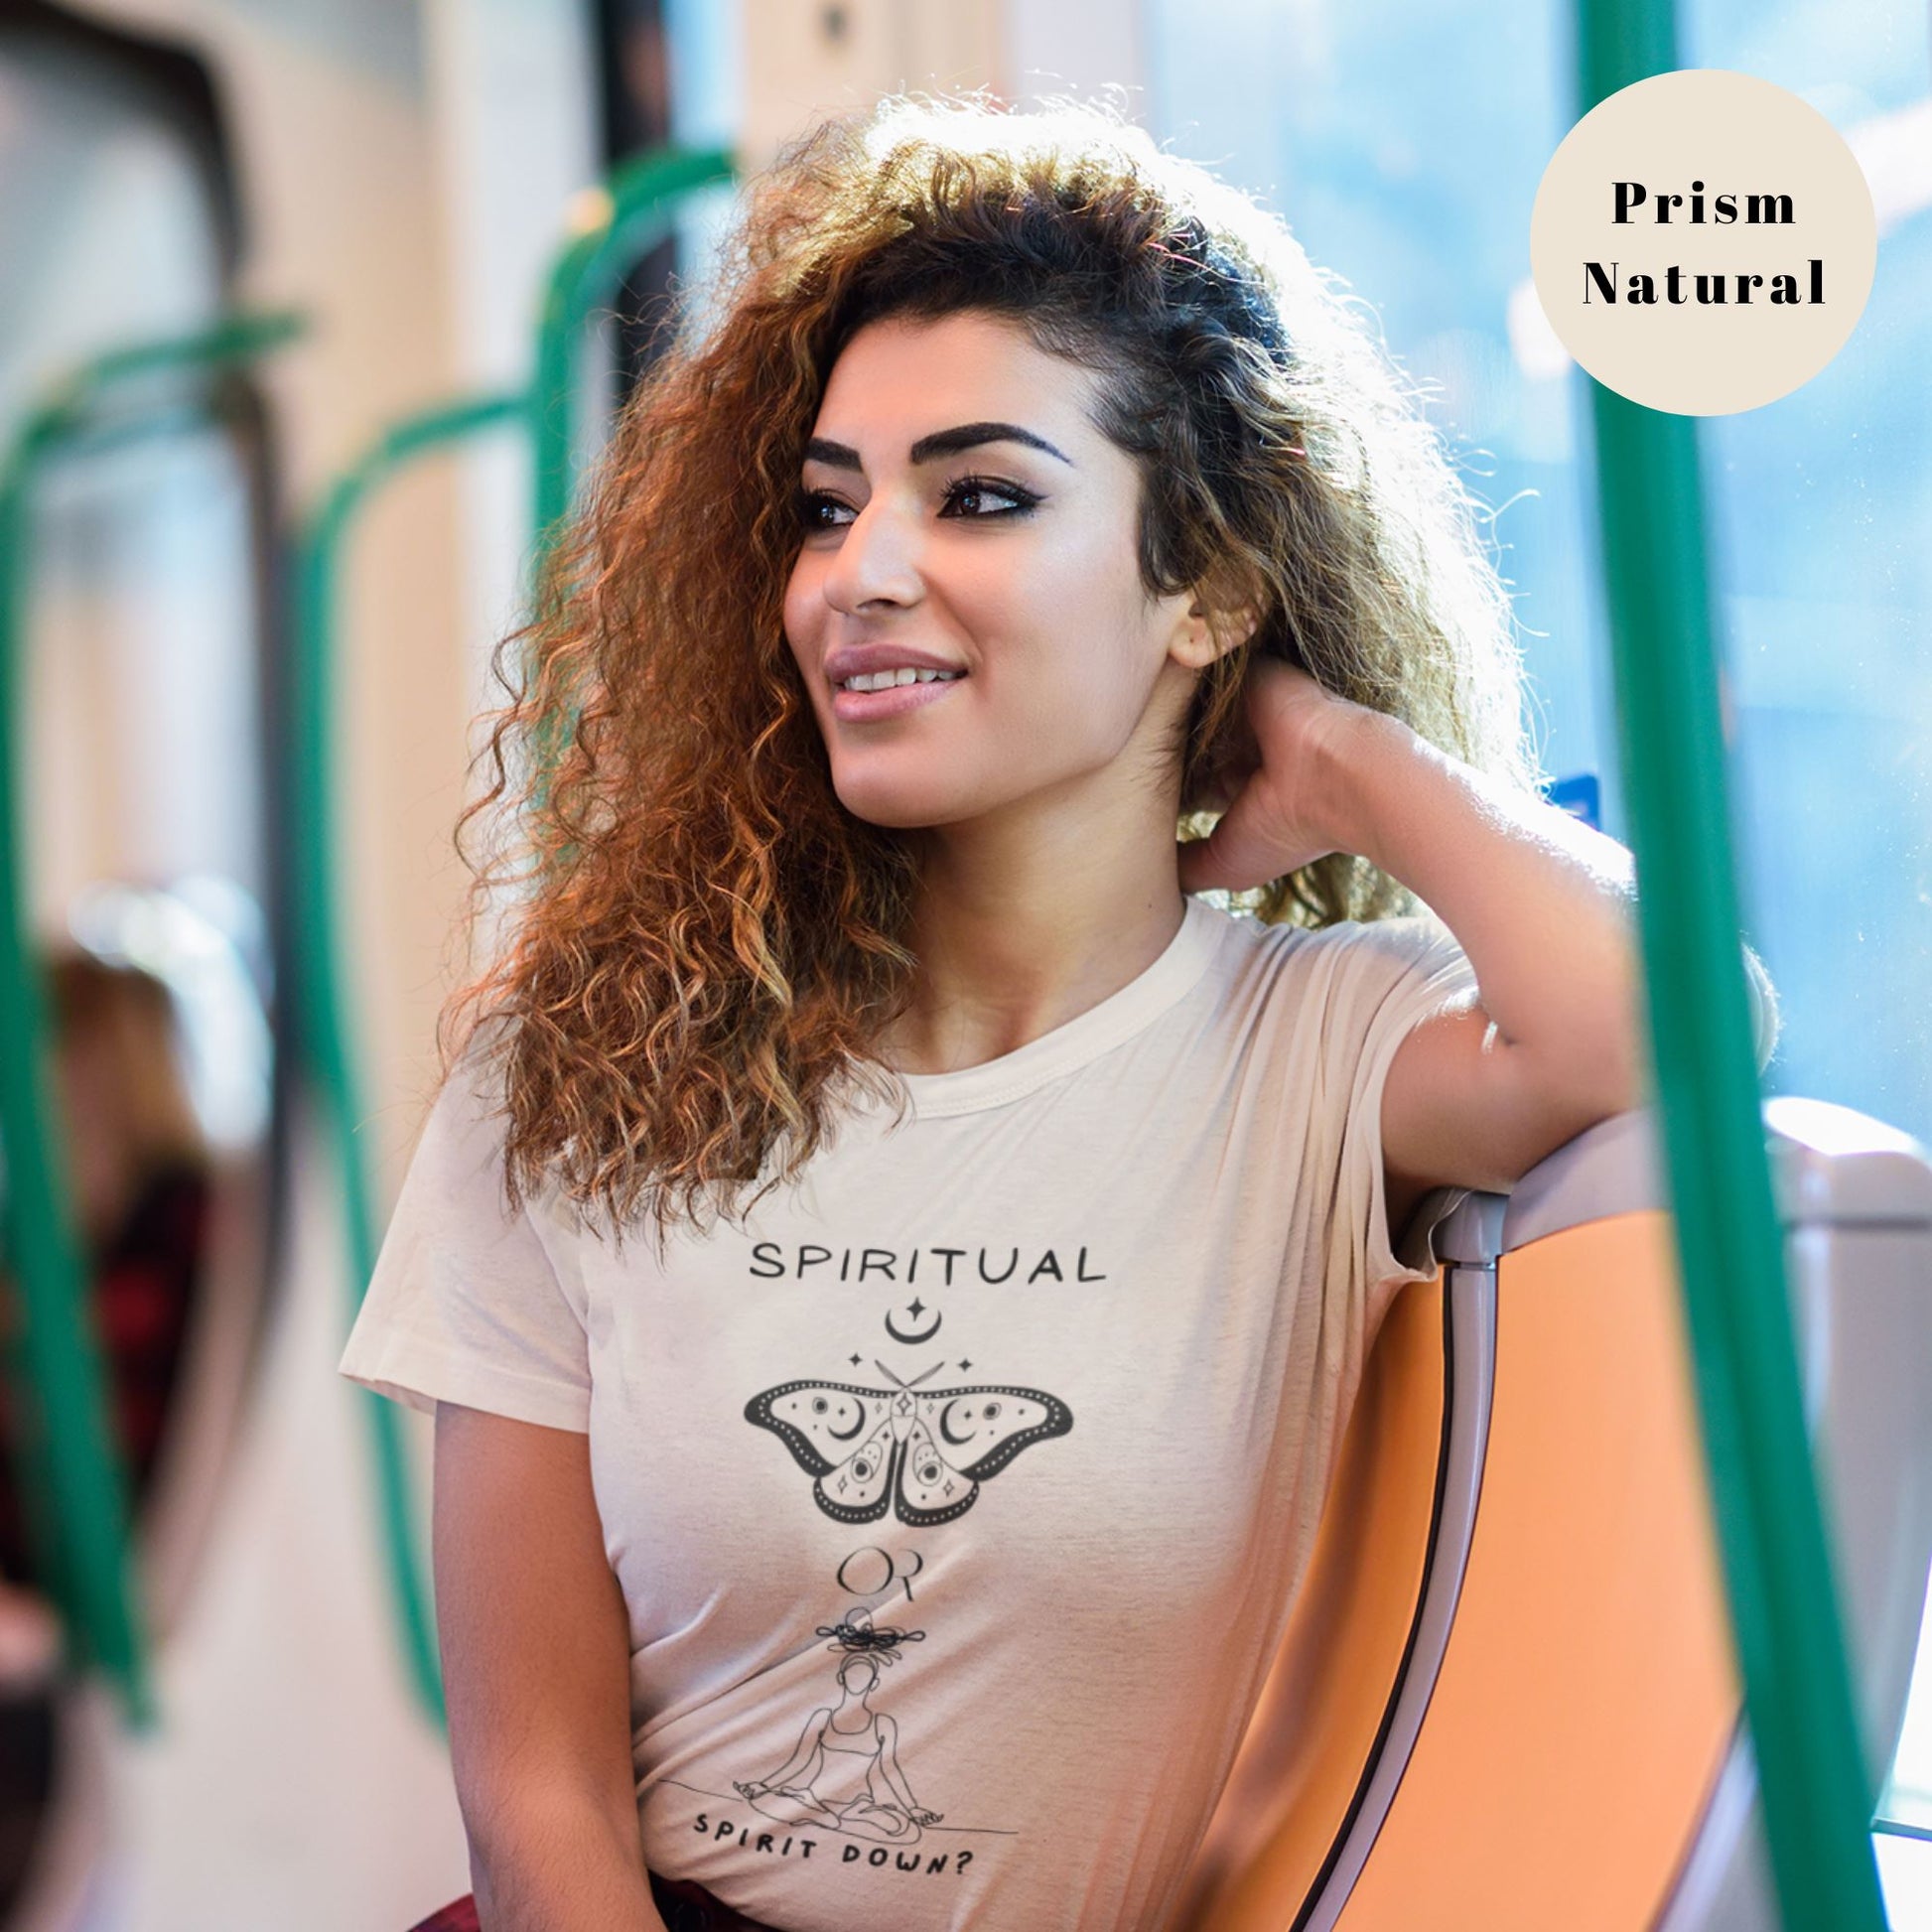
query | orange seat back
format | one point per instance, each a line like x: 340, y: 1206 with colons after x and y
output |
x: 1314, y: 1729
x: 1588, y: 1693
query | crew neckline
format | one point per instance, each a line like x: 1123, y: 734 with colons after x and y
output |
x: 1085, y: 1036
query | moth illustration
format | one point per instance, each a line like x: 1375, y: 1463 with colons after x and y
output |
x: 920, y: 1454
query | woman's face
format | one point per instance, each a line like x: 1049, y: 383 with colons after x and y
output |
x: 961, y: 511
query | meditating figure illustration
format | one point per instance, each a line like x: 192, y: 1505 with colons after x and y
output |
x: 844, y: 1772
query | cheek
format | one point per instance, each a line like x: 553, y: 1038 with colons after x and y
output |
x: 1091, y: 587
x: 804, y: 611
x: 1052, y: 609
x: 1088, y: 639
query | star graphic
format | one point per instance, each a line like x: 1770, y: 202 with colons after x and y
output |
x: 856, y: 1360
x: 965, y: 1365
x: 915, y: 1308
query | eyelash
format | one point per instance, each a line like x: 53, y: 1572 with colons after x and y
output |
x: 1024, y: 501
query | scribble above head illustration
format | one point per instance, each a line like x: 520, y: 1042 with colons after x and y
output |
x: 856, y: 1633
x: 1009, y: 758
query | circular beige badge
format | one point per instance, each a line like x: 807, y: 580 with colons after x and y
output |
x: 1702, y: 242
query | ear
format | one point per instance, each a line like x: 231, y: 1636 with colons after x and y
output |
x: 1194, y: 644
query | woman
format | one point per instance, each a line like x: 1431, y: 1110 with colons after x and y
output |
x: 844, y: 1777
x: 1074, y: 1198
x: 139, y: 1167
x: 140, y: 1173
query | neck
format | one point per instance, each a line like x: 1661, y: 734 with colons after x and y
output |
x: 1009, y: 952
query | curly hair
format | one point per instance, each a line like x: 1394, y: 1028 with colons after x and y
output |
x: 706, y: 942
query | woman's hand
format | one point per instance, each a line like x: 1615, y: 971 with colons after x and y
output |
x: 1277, y: 810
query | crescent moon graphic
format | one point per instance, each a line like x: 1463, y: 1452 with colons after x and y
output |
x: 897, y: 1335
x: 846, y: 1434
x: 945, y: 1427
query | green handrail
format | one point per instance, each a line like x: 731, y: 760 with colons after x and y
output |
x: 320, y: 1000
x: 72, y: 1486
x: 608, y: 224
x: 1770, y: 1526
x: 586, y: 270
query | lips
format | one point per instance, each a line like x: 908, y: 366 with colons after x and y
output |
x: 855, y: 660
x: 866, y: 707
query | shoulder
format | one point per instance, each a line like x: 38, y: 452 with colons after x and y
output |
x: 1404, y: 938
x: 463, y: 1124
x: 459, y: 1169
x: 1371, y: 955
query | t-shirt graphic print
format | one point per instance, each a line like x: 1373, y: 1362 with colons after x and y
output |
x: 921, y: 1456
x: 959, y: 1492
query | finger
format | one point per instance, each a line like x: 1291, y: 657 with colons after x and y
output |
x: 1236, y: 854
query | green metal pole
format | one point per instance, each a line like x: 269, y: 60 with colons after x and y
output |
x: 72, y: 1486
x: 320, y: 992
x: 587, y: 270
x: 1770, y: 1525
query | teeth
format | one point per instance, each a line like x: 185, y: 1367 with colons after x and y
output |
x: 886, y: 680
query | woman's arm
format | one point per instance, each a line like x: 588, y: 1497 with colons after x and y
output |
x: 896, y: 1779
x: 1539, y: 903
x: 1542, y: 905
x: 536, y: 1654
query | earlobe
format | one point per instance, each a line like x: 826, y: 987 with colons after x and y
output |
x: 1198, y: 646
x: 1192, y: 641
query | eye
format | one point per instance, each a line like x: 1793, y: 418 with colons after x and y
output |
x: 812, y: 503
x: 1021, y: 499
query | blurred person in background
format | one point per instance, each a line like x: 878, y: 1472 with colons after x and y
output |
x: 138, y: 1166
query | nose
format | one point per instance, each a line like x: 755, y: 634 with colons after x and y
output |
x: 877, y: 561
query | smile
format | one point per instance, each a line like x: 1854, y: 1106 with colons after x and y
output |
x: 864, y: 707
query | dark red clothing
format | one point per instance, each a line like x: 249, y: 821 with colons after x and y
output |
x: 683, y: 1903
x: 142, y: 1289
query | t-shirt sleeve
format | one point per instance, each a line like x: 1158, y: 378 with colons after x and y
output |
x: 1388, y: 976
x: 464, y: 1304
x: 1394, y: 974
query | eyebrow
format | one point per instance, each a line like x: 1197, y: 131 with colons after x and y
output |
x: 942, y: 442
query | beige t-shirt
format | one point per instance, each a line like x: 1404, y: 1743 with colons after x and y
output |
x: 959, y: 1497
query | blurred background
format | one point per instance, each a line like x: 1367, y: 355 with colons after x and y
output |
x: 243, y: 240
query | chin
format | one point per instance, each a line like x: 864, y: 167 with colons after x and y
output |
x: 902, y: 808
x: 894, y: 814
